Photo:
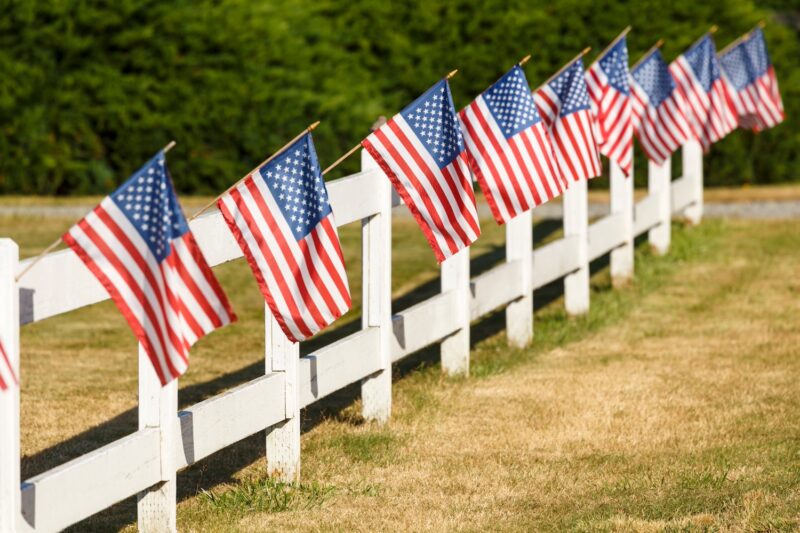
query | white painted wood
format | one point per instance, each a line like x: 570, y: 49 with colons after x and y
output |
x: 576, y: 222
x: 337, y: 365
x: 519, y: 313
x: 606, y: 234
x: 423, y: 324
x: 158, y: 408
x: 692, y: 160
x: 455, y: 347
x: 646, y: 213
x: 621, y: 192
x: 681, y: 193
x: 88, y: 484
x: 555, y: 260
x: 358, y: 196
x: 9, y: 399
x: 215, y: 423
x: 659, y: 178
x: 376, y: 236
x: 491, y: 289
x: 283, y: 439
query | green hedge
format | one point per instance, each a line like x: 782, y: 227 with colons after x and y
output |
x: 89, y: 90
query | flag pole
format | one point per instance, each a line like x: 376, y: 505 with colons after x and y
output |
x: 742, y: 38
x: 622, y: 34
x: 562, y: 69
x: 352, y: 150
x: 213, y: 202
x: 646, y: 54
x: 524, y: 60
x: 170, y: 145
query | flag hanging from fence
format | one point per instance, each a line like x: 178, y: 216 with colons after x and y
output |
x: 706, y: 99
x: 281, y: 217
x: 139, y: 246
x: 508, y: 148
x: 421, y: 150
x: 564, y: 106
x: 8, y: 378
x: 753, y: 84
x: 658, y: 118
x: 609, y: 91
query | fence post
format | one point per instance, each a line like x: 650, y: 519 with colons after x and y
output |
x: 576, y: 224
x: 621, y: 192
x: 692, y: 159
x: 519, y: 247
x: 10, y: 509
x: 659, y: 182
x: 376, y: 272
x: 158, y: 408
x: 454, y: 349
x: 283, y: 439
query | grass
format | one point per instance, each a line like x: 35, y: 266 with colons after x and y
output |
x: 672, y: 406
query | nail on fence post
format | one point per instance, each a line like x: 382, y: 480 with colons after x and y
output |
x: 158, y: 408
x: 10, y: 507
x: 519, y: 247
x: 376, y: 272
x: 283, y: 439
x: 576, y: 224
x: 692, y: 156
x: 621, y: 196
x: 659, y: 182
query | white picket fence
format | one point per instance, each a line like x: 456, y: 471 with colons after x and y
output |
x: 145, y: 463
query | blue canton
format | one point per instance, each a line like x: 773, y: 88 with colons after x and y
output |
x: 511, y: 102
x: 295, y: 181
x: 570, y: 88
x: 756, y: 48
x: 736, y: 66
x: 615, y: 65
x: 653, y: 76
x: 702, y: 59
x: 432, y: 118
x: 148, y: 201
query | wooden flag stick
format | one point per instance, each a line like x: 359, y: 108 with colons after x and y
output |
x: 335, y: 164
x: 647, y: 54
x: 213, y: 202
x: 565, y: 67
x: 742, y: 38
x: 622, y: 34
x: 524, y: 60
x: 170, y: 145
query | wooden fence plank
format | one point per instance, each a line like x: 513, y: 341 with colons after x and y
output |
x: 576, y: 223
x: 519, y: 313
x: 9, y: 399
x: 621, y: 192
x: 659, y: 179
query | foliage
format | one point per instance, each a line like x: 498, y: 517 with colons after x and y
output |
x: 91, y: 89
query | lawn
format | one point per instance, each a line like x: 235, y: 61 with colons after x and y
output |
x: 673, y: 405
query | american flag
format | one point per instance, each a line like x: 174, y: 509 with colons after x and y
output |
x: 8, y: 378
x: 281, y: 217
x: 658, y: 119
x: 564, y: 106
x: 508, y: 148
x: 421, y: 150
x: 753, y: 83
x: 139, y: 246
x: 707, y: 101
x: 607, y: 82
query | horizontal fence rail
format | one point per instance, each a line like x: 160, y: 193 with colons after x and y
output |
x: 145, y: 462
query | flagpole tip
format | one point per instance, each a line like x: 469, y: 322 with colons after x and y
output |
x: 524, y: 60
x: 713, y: 29
x: 451, y: 74
x: 762, y: 24
x: 313, y: 126
x: 627, y: 30
x: 586, y: 51
x: 169, y: 146
x: 659, y: 43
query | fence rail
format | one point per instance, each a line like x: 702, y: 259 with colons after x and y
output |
x: 145, y: 463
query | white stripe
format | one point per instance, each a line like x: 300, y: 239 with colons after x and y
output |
x: 329, y: 249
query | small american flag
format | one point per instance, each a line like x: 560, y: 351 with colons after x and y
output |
x: 281, y: 217
x: 707, y: 102
x: 139, y: 246
x: 753, y: 83
x: 508, y: 147
x: 564, y: 106
x: 609, y: 91
x: 658, y: 119
x: 8, y: 378
x: 421, y: 150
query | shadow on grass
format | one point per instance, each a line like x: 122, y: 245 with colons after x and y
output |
x: 220, y: 468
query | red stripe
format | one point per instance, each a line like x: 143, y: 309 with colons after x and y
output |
x: 3, y: 384
x: 205, y: 270
x: 523, y: 165
x: 547, y: 150
x: 329, y: 230
x: 574, y: 142
x: 454, y: 174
